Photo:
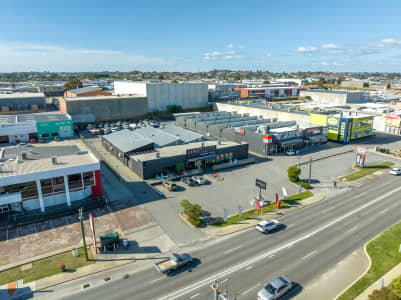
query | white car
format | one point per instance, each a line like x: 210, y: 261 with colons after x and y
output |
x: 268, y: 225
x: 292, y: 152
x: 199, y: 179
x: 275, y: 289
x: 395, y: 171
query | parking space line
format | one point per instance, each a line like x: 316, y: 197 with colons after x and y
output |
x: 250, y: 267
x: 309, y: 255
x: 193, y: 296
x: 232, y: 250
x: 250, y: 289
x: 224, y: 280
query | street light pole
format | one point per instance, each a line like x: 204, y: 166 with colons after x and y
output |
x: 81, y: 220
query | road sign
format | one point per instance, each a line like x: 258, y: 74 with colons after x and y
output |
x: 261, y: 184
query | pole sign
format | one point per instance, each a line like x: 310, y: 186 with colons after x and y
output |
x: 284, y: 193
x: 300, y: 189
x: 261, y: 184
x: 267, y: 138
x: 225, y: 214
x: 92, y: 226
x: 240, y: 210
x: 360, y: 156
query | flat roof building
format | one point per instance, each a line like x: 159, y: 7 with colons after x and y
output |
x: 86, y: 91
x: 22, y: 102
x: 335, y: 97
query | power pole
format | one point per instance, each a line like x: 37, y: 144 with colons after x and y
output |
x: 310, y: 169
x: 81, y: 220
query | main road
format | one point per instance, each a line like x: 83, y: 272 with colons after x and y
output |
x: 311, y: 241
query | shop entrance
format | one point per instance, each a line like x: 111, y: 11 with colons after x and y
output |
x: 4, y: 139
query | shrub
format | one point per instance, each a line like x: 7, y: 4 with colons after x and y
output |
x: 383, y: 294
x: 293, y: 173
x: 192, y: 211
x: 396, y: 285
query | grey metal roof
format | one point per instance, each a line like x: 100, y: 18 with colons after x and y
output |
x: 158, y: 136
x: 43, y: 117
x: 127, y: 140
x: 86, y: 89
x: 42, y: 151
x: 186, y: 136
x: 7, y: 119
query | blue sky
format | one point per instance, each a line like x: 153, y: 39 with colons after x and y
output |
x: 193, y: 35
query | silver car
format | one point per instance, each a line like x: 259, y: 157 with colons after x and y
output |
x: 275, y: 289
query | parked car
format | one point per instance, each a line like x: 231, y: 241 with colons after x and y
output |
x: 100, y: 125
x: 292, y: 152
x: 89, y: 127
x: 262, y: 202
x: 189, y: 181
x: 106, y: 125
x: 170, y: 185
x: 132, y: 125
x: 199, y: 180
x: 267, y: 225
x: 395, y: 171
x: 275, y: 289
x: 173, y: 263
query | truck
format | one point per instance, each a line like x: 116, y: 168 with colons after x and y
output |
x: 173, y: 263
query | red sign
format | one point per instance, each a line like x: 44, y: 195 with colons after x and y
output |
x: 257, y: 203
x: 313, y: 130
x: 391, y: 116
x: 361, y: 150
x: 267, y: 139
x: 241, y: 131
x: 92, y: 226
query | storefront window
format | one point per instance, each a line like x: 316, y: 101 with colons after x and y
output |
x: 75, y: 181
x: 54, y: 133
x: 45, y: 134
x: 58, y: 185
x: 89, y: 179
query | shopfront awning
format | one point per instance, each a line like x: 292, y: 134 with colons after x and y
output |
x: 10, y: 198
x: 290, y: 141
x: 201, y: 157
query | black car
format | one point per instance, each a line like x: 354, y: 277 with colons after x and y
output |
x: 189, y: 181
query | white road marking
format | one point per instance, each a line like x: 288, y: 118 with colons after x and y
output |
x: 309, y: 255
x: 352, y: 229
x: 232, y: 250
x: 156, y: 280
x: 250, y: 267
x: 193, y: 296
x: 226, y: 272
x: 384, y: 211
x: 224, y: 280
x: 250, y: 289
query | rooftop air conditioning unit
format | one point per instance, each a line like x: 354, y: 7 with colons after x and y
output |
x: 54, y: 160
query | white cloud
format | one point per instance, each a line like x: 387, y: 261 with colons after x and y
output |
x: 268, y: 54
x: 231, y: 52
x: 17, y: 56
x: 241, y: 46
x: 391, y: 42
x: 304, y: 49
x: 330, y: 46
x: 230, y: 46
x: 226, y: 55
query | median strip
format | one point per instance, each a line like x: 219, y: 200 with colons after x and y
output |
x: 367, y: 170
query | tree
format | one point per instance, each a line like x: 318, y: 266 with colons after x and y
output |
x: 192, y: 211
x: 383, y: 294
x: 396, y: 285
x: 73, y: 84
x: 293, y: 173
x: 161, y: 77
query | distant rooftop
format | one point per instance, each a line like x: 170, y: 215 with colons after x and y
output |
x: 103, y: 97
x: 20, y: 95
x: 38, y: 117
x: 86, y: 89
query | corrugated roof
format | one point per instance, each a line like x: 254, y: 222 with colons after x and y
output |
x: 43, y: 117
x: 86, y: 89
x: 158, y: 136
x: 127, y: 140
x: 186, y: 136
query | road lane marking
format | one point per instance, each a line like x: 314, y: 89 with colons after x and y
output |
x: 309, y: 255
x: 224, y: 280
x: 384, y: 211
x: 250, y: 289
x: 193, y: 296
x: 230, y: 270
x: 352, y: 229
x: 232, y: 250
x: 156, y: 280
x: 250, y: 267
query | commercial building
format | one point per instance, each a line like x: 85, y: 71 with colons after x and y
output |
x: 269, y: 92
x: 161, y: 95
x: 12, y: 103
x: 335, y: 97
x: 33, y: 127
x: 344, y: 127
x: 39, y: 177
x: 359, y: 84
x: 392, y: 123
x: 87, y: 91
x: 103, y: 108
x: 52, y: 90
x: 185, y: 158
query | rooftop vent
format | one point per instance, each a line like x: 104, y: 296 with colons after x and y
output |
x: 24, y: 155
x: 54, y: 160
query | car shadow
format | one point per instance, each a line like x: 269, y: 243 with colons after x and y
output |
x: 278, y: 229
x: 296, y: 290
x: 195, y: 263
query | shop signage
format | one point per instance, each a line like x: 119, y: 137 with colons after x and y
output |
x: 267, y: 139
x: 202, y: 151
x: 360, y: 156
x: 391, y: 116
x: 261, y: 184
x: 240, y: 130
x: 313, y: 130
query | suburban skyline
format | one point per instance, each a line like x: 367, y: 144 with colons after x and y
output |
x: 357, y: 36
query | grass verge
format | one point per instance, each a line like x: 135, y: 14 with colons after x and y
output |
x: 366, y: 171
x: 47, y: 267
x: 384, y: 254
x: 254, y: 213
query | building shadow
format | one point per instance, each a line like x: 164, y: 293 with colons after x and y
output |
x: 133, y: 248
x: 16, y: 293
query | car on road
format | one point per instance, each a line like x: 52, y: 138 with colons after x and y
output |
x: 262, y: 202
x: 395, y: 171
x: 268, y: 225
x: 170, y: 186
x: 292, y: 152
x: 199, y: 180
x: 189, y: 181
x: 275, y: 289
x: 173, y: 263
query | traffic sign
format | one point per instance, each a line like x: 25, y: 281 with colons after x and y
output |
x: 261, y: 184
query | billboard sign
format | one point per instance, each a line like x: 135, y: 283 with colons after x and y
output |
x: 261, y: 184
x: 360, y: 156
